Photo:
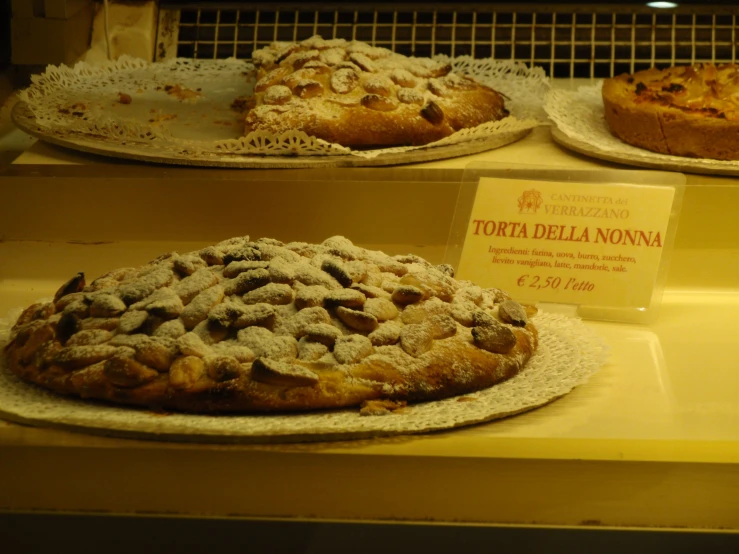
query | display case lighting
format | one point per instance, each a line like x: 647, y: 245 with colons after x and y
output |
x: 662, y: 5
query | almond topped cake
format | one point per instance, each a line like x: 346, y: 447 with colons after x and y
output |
x: 355, y: 94
x: 260, y: 326
x: 688, y: 111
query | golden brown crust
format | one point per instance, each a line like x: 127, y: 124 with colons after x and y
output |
x: 354, y: 94
x: 683, y: 111
x: 235, y: 354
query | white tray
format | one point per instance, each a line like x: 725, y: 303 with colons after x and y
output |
x: 81, y: 108
x: 24, y: 119
x: 579, y: 125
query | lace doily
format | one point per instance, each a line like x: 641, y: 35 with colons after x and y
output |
x: 579, y: 115
x: 182, y: 107
x: 569, y: 353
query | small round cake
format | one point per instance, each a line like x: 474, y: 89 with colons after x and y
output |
x: 690, y: 111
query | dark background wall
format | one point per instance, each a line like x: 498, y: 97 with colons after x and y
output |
x: 4, y: 34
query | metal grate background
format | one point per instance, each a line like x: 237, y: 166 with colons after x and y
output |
x: 595, y: 41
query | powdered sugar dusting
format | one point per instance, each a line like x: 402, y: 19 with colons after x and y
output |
x: 264, y: 343
x: 287, y: 293
x: 352, y: 348
x: 338, y: 85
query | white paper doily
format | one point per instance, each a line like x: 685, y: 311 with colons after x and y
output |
x: 180, y: 112
x: 569, y: 353
x: 578, y: 116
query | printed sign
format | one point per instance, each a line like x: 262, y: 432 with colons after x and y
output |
x: 571, y: 243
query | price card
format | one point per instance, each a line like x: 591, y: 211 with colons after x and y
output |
x: 598, y: 243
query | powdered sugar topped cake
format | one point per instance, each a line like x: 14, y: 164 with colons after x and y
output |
x: 355, y: 94
x: 265, y: 326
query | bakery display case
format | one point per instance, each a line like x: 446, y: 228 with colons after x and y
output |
x: 649, y: 444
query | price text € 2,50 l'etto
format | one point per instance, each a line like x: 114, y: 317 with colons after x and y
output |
x: 555, y: 283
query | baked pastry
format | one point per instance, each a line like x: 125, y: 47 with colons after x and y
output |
x: 355, y: 94
x: 688, y: 111
x: 266, y: 326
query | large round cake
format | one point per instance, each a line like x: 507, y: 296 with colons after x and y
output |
x: 254, y: 326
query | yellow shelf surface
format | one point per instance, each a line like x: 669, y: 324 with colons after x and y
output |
x: 652, y: 441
